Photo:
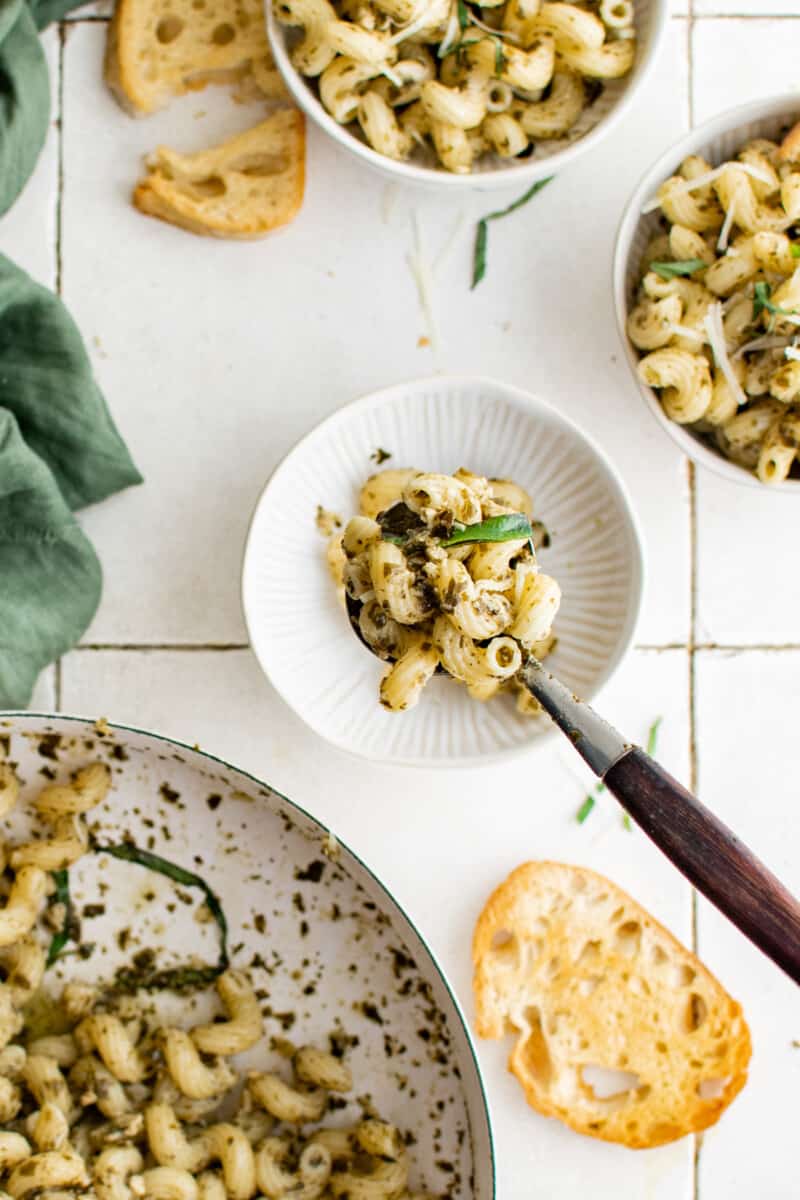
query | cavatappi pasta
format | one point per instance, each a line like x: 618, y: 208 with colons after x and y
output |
x: 717, y: 316
x: 461, y: 79
x: 115, y: 1108
x: 475, y: 608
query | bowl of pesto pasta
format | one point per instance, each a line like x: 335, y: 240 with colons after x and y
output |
x: 415, y: 547
x: 455, y: 93
x: 202, y: 986
x: 707, y: 293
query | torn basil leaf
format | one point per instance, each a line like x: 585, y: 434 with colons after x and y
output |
x: 671, y: 270
x: 506, y: 528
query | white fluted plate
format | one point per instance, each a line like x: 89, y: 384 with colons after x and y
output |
x: 300, y: 633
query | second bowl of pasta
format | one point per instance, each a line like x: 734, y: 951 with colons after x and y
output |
x: 469, y: 524
x: 454, y: 93
x: 707, y: 292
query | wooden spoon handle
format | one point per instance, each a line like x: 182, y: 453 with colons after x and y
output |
x: 710, y: 856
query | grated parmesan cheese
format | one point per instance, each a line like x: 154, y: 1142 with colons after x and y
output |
x: 725, y: 232
x: 423, y: 277
x: 767, y: 342
x: 686, y: 331
x: 690, y: 185
x: 716, y: 339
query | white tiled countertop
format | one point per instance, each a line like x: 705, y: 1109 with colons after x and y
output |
x: 216, y: 357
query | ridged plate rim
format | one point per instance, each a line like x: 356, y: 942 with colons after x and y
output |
x: 501, y: 392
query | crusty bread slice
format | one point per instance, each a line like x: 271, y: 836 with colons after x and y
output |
x: 242, y: 189
x: 157, y: 49
x: 586, y: 978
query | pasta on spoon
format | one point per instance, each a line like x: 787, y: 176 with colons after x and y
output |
x: 444, y: 568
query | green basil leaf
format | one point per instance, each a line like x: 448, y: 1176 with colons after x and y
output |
x: 463, y: 15
x: 179, y: 978
x: 482, y: 231
x: 505, y: 528
x: 795, y: 249
x: 585, y: 809
x: 499, y: 57
x: 479, y: 254
x: 671, y: 270
x: 761, y: 302
x: 652, y: 736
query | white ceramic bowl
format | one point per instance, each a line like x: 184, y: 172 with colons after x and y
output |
x: 301, y: 635
x: 326, y: 953
x: 549, y: 156
x: 717, y: 140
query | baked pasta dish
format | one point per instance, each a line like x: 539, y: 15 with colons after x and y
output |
x: 460, y: 80
x: 717, y: 316
x: 444, y: 568
x: 99, y: 1100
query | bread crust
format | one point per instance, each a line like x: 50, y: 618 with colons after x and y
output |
x: 174, y: 196
x: 586, y: 977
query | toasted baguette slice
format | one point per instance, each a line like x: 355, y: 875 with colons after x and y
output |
x: 158, y: 49
x: 241, y: 189
x: 586, y: 979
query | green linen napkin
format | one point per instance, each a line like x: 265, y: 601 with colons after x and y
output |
x: 59, y: 450
x: 50, y: 578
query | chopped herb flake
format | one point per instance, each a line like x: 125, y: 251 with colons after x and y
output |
x: 652, y: 735
x: 670, y: 270
x: 761, y: 302
x: 482, y: 231
x: 585, y: 809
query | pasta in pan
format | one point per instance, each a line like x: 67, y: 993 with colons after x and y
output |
x: 462, y: 79
x: 716, y: 319
x: 112, y: 1109
x: 445, y: 570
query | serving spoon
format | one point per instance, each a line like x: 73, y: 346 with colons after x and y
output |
x: 701, y: 846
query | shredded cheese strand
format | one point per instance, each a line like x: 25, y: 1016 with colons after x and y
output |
x: 451, y: 33
x: 690, y: 185
x: 423, y: 277
x: 687, y: 331
x: 392, y: 76
x: 716, y: 339
x: 792, y: 352
x: 767, y: 342
x: 500, y: 33
x: 724, y: 233
x: 409, y: 30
